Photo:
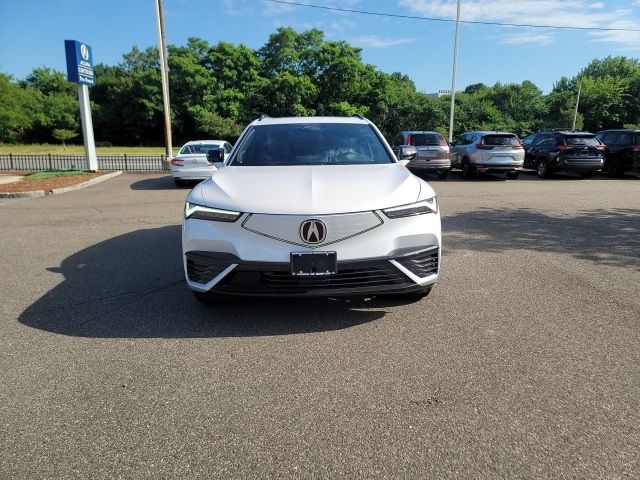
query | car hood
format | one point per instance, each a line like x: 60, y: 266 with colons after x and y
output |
x: 310, y: 190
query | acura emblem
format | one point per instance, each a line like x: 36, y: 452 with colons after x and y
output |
x: 313, y: 231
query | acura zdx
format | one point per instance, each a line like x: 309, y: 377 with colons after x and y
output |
x: 311, y: 206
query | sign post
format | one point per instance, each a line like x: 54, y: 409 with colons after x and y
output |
x: 80, y: 71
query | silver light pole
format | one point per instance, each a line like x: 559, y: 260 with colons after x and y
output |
x: 164, y: 74
x: 453, y: 75
x: 575, y: 112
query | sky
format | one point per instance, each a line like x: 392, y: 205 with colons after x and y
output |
x: 32, y: 33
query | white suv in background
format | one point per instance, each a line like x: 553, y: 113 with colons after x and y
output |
x: 191, y: 161
x: 488, y: 152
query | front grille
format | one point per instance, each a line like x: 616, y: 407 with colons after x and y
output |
x: 352, y: 277
x: 421, y: 264
x: 203, y: 269
x: 384, y: 274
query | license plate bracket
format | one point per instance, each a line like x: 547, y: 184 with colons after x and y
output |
x: 314, y: 264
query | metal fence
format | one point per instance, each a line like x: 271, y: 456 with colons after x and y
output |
x: 129, y: 163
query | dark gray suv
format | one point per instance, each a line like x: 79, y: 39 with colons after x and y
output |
x: 432, y: 151
x: 568, y: 151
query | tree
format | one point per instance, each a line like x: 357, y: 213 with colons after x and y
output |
x: 63, y: 135
x: 16, y: 106
x: 211, y: 124
x: 128, y: 99
x: 475, y: 87
x: 217, y: 89
x: 285, y: 95
x: 604, y: 102
x: 190, y: 80
x: 56, y: 106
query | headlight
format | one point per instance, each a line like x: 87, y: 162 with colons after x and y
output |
x: 193, y: 210
x: 429, y: 205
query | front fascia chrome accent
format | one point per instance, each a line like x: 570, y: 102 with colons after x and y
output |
x: 380, y: 222
x: 420, y: 281
x: 205, y: 287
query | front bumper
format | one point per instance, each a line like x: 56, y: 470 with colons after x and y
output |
x: 228, y: 258
x: 225, y: 274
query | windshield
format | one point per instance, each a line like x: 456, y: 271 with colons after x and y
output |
x: 198, y: 148
x: 501, y: 140
x: 311, y: 144
x: 426, y: 139
x: 590, y: 141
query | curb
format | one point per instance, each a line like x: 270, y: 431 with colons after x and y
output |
x: 30, y: 194
x: 88, y: 183
x: 55, y: 191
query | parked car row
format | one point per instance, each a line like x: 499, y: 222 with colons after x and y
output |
x: 324, y: 206
x: 612, y: 151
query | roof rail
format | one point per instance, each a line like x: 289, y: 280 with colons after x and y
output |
x: 263, y: 116
x: 359, y: 116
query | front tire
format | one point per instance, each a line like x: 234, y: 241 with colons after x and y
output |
x: 587, y: 174
x: 179, y: 182
x: 513, y: 175
x: 443, y: 175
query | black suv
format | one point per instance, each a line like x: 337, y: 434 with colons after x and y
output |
x: 622, y: 152
x: 569, y: 151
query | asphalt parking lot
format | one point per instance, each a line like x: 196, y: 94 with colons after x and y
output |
x: 524, y: 362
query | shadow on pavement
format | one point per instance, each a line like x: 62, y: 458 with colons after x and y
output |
x: 456, y: 176
x: 161, y: 183
x: 132, y: 286
x: 608, y: 237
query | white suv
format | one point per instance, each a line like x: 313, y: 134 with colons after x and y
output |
x: 311, y: 206
x: 488, y: 152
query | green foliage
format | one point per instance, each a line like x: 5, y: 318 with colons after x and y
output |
x: 63, y: 134
x: 16, y: 104
x: 54, y: 173
x: 217, y: 89
x: 54, y: 105
x: 210, y: 124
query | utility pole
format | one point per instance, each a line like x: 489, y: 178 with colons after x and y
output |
x: 575, y: 112
x: 453, y: 75
x: 164, y: 74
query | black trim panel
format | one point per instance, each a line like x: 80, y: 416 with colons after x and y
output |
x: 354, y: 277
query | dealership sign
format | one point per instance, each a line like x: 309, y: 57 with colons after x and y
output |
x: 80, y: 71
x: 79, y: 62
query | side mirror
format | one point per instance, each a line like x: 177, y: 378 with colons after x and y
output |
x: 407, y: 152
x: 215, y: 155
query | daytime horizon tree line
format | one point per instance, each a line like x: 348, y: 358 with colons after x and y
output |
x: 216, y: 90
